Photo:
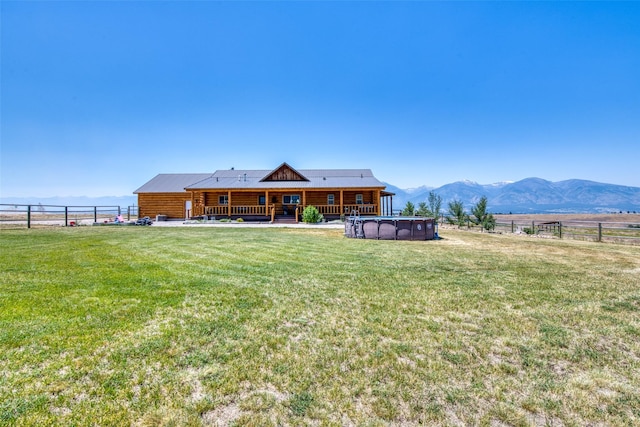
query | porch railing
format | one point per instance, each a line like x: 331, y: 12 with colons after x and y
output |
x: 236, y: 210
x: 216, y: 210
x: 368, y: 209
x: 222, y: 210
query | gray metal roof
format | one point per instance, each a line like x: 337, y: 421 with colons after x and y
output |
x: 317, y: 178
x: 171, y: 182
x: 251, y: 179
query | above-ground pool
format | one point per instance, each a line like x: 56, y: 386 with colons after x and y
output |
x: 390, y: 228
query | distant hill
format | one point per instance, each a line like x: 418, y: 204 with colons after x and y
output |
x: 121, y: 201
x: 532, y: 195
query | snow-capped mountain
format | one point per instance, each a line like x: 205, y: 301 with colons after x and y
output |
x: 532, y: 195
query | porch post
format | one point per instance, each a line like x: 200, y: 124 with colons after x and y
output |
x: 229, y: 203
x: 379, y: 208
x: 341, y: 202
x: 304, y: 199
x: 266, y: 202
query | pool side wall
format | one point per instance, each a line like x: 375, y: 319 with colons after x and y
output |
x: 391, y: 228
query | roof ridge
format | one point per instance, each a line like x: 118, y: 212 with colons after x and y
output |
x: 197, y: 182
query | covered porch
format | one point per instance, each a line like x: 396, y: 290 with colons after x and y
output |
x: 268, y: 205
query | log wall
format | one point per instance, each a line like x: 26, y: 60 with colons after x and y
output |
x: 173, y: 204
x: 169, y: 204
x: 368, y: 197
x: 237, y: 198
x: 320, y: 198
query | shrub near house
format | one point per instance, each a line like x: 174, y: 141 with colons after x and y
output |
x: 311, y: 215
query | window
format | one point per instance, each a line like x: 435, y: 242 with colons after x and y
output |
x: 262, y: 200
x: 223, y: 200
x: 292, y: 199
x: 330, y: 199
x: 359, y: 199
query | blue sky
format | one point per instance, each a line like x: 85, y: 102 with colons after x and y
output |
x: 99, y: 97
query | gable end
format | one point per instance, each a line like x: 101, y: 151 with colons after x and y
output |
x: 284, y: 172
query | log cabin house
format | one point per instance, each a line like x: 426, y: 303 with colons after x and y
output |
x: 279, y: 194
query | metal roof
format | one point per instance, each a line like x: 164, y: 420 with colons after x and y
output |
x: 171, y: 182
x: 252, y: 179
x: 317, y: 178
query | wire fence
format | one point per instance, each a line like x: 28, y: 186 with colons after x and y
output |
x: 38, y: 216
x: 611, y: 232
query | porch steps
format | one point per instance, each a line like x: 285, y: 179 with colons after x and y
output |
x: 284, y: 219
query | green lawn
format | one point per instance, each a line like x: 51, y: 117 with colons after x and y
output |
x: 223, y: 326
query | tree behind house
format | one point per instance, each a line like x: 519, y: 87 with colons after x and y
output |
x: 433, y: 209
x: 423, y: 210
x: 457, y: 215
x: 409, y: 209
x: 435, y: 205
x: 482, y: 217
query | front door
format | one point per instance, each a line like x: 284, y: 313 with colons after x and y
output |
x: 187, y: 209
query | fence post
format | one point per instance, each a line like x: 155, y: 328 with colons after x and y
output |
x: 119, y: 213
x: 95, y: 214
x: 599, y: 232
x: 28, y: 216
x: 128, y: 213
x: 560, y: 229
x: 512, y: 229
x: 66, y: 216
x: 533, y: 227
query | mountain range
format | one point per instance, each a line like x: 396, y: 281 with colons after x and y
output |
x: 530, y: 195
x: 122, y: 201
